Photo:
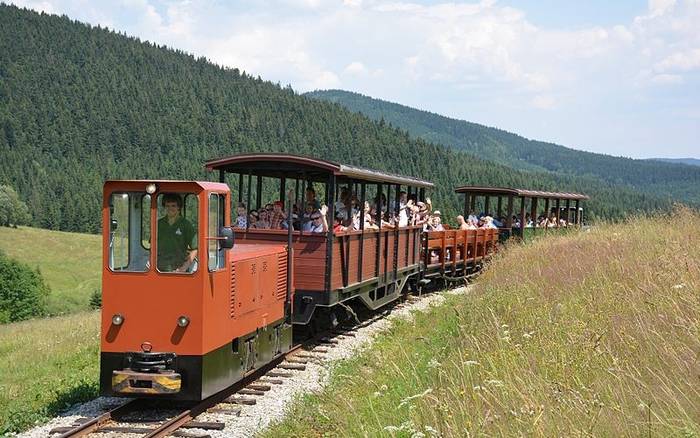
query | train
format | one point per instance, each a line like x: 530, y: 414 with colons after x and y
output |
x: 192, y: 305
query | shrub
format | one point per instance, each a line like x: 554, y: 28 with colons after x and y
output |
x: 96, y: 299
x: 23, y: 292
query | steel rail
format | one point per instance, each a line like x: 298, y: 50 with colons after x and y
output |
x: 91, y: 426
x: 188, y: 415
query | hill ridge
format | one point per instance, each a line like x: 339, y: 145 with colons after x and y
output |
x: 81, y: 104
x: 517, y: 151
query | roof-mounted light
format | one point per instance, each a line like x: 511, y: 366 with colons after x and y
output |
x: 183, y: 321
x: 151, y: 188
x: 117, y: 319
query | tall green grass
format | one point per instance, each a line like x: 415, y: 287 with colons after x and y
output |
x: 592, y: 334
x: 45, y: 366
x: 69, y: 262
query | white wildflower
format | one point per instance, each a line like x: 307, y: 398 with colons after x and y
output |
x: 432, y: 431
x: 392, y: 429
x: 413, y: 397
x: 471, y: 362
x: 434, y: 364
x: 528, y: 335
x: 678, y: 286
x: 494, y: 382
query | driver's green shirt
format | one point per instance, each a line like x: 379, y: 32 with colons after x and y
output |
x: 174, y: 242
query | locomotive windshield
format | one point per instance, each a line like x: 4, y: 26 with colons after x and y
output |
x: 177, y: 232
x: 130, y: 230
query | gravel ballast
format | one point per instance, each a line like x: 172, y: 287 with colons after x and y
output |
x: 273, y: 406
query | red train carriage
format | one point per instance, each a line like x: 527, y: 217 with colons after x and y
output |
x: 563, y: 207
x: 189, y: 324
x: 332, y: 269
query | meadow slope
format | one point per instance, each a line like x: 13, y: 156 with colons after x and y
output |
x: 591, y: 334
x: 71, y: 263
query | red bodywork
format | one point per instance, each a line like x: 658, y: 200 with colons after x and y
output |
x: 248, y: 293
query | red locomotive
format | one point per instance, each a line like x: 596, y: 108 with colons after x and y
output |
x: 186, y: 314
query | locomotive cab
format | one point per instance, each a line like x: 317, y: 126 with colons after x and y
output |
x: 185, y: 313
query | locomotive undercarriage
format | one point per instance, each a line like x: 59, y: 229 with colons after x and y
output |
x: 193, y: 377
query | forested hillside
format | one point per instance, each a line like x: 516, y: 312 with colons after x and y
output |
x: 81, y: 104
x: 654, y: 177
x: 688, y: 161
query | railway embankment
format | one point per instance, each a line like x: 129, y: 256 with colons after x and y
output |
x: 590, y: 334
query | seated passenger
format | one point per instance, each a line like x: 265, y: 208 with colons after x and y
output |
x: 318, y: 222
x: 437, y: 221
x: 462, y: 223
x: 338, y: 226
x: 252, y: 218
x: 368, y: 217
x: 278, y: 216
x: 240, y: 215
x: 262, y: 223
x: 488, y: 222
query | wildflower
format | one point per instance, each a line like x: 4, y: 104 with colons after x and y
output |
x: 678, y: 286
x: 434, y: 364
x: 494, y: 382
x: 471, y: 362
x: 528, y: 335
x: 432, y: 431
x: 408, y: 399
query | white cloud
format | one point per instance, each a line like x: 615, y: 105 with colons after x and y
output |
x: 680, y: 61
x: 356, y: 68
x: 665, y: 78
x: 448, y: 57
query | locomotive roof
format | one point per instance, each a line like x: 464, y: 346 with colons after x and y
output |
x: 278, y: 165
x: 507, y: 191
x: 206, y: 185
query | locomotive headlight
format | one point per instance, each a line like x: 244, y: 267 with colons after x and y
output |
x: 117, y: 319
x: 151, y: 188
x: 183, y: 321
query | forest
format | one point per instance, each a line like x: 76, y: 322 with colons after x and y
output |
x: 81, y: 104
x: 661, y: 177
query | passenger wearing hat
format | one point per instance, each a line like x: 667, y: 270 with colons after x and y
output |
x: 437, y: 221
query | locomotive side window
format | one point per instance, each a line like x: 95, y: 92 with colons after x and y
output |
x: 177, y: 232
x: 126, y: 231
x: 217, y: 205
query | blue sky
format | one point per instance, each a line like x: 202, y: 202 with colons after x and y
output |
x: 620, y: 77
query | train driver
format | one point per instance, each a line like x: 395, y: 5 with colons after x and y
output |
x: 177, y: 238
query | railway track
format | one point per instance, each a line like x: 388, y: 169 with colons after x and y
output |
x: 128, y: 418
x: 150, y: 418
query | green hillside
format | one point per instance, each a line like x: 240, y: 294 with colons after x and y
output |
x: 81, y: 104
x: 590, y: 337
x: 654, y: 177
x: 69, y: 262
x: 688, y: 161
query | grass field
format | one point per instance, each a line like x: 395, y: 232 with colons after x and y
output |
x: 595, y: 334
x: 69, y: 262
x: 45, y: 366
